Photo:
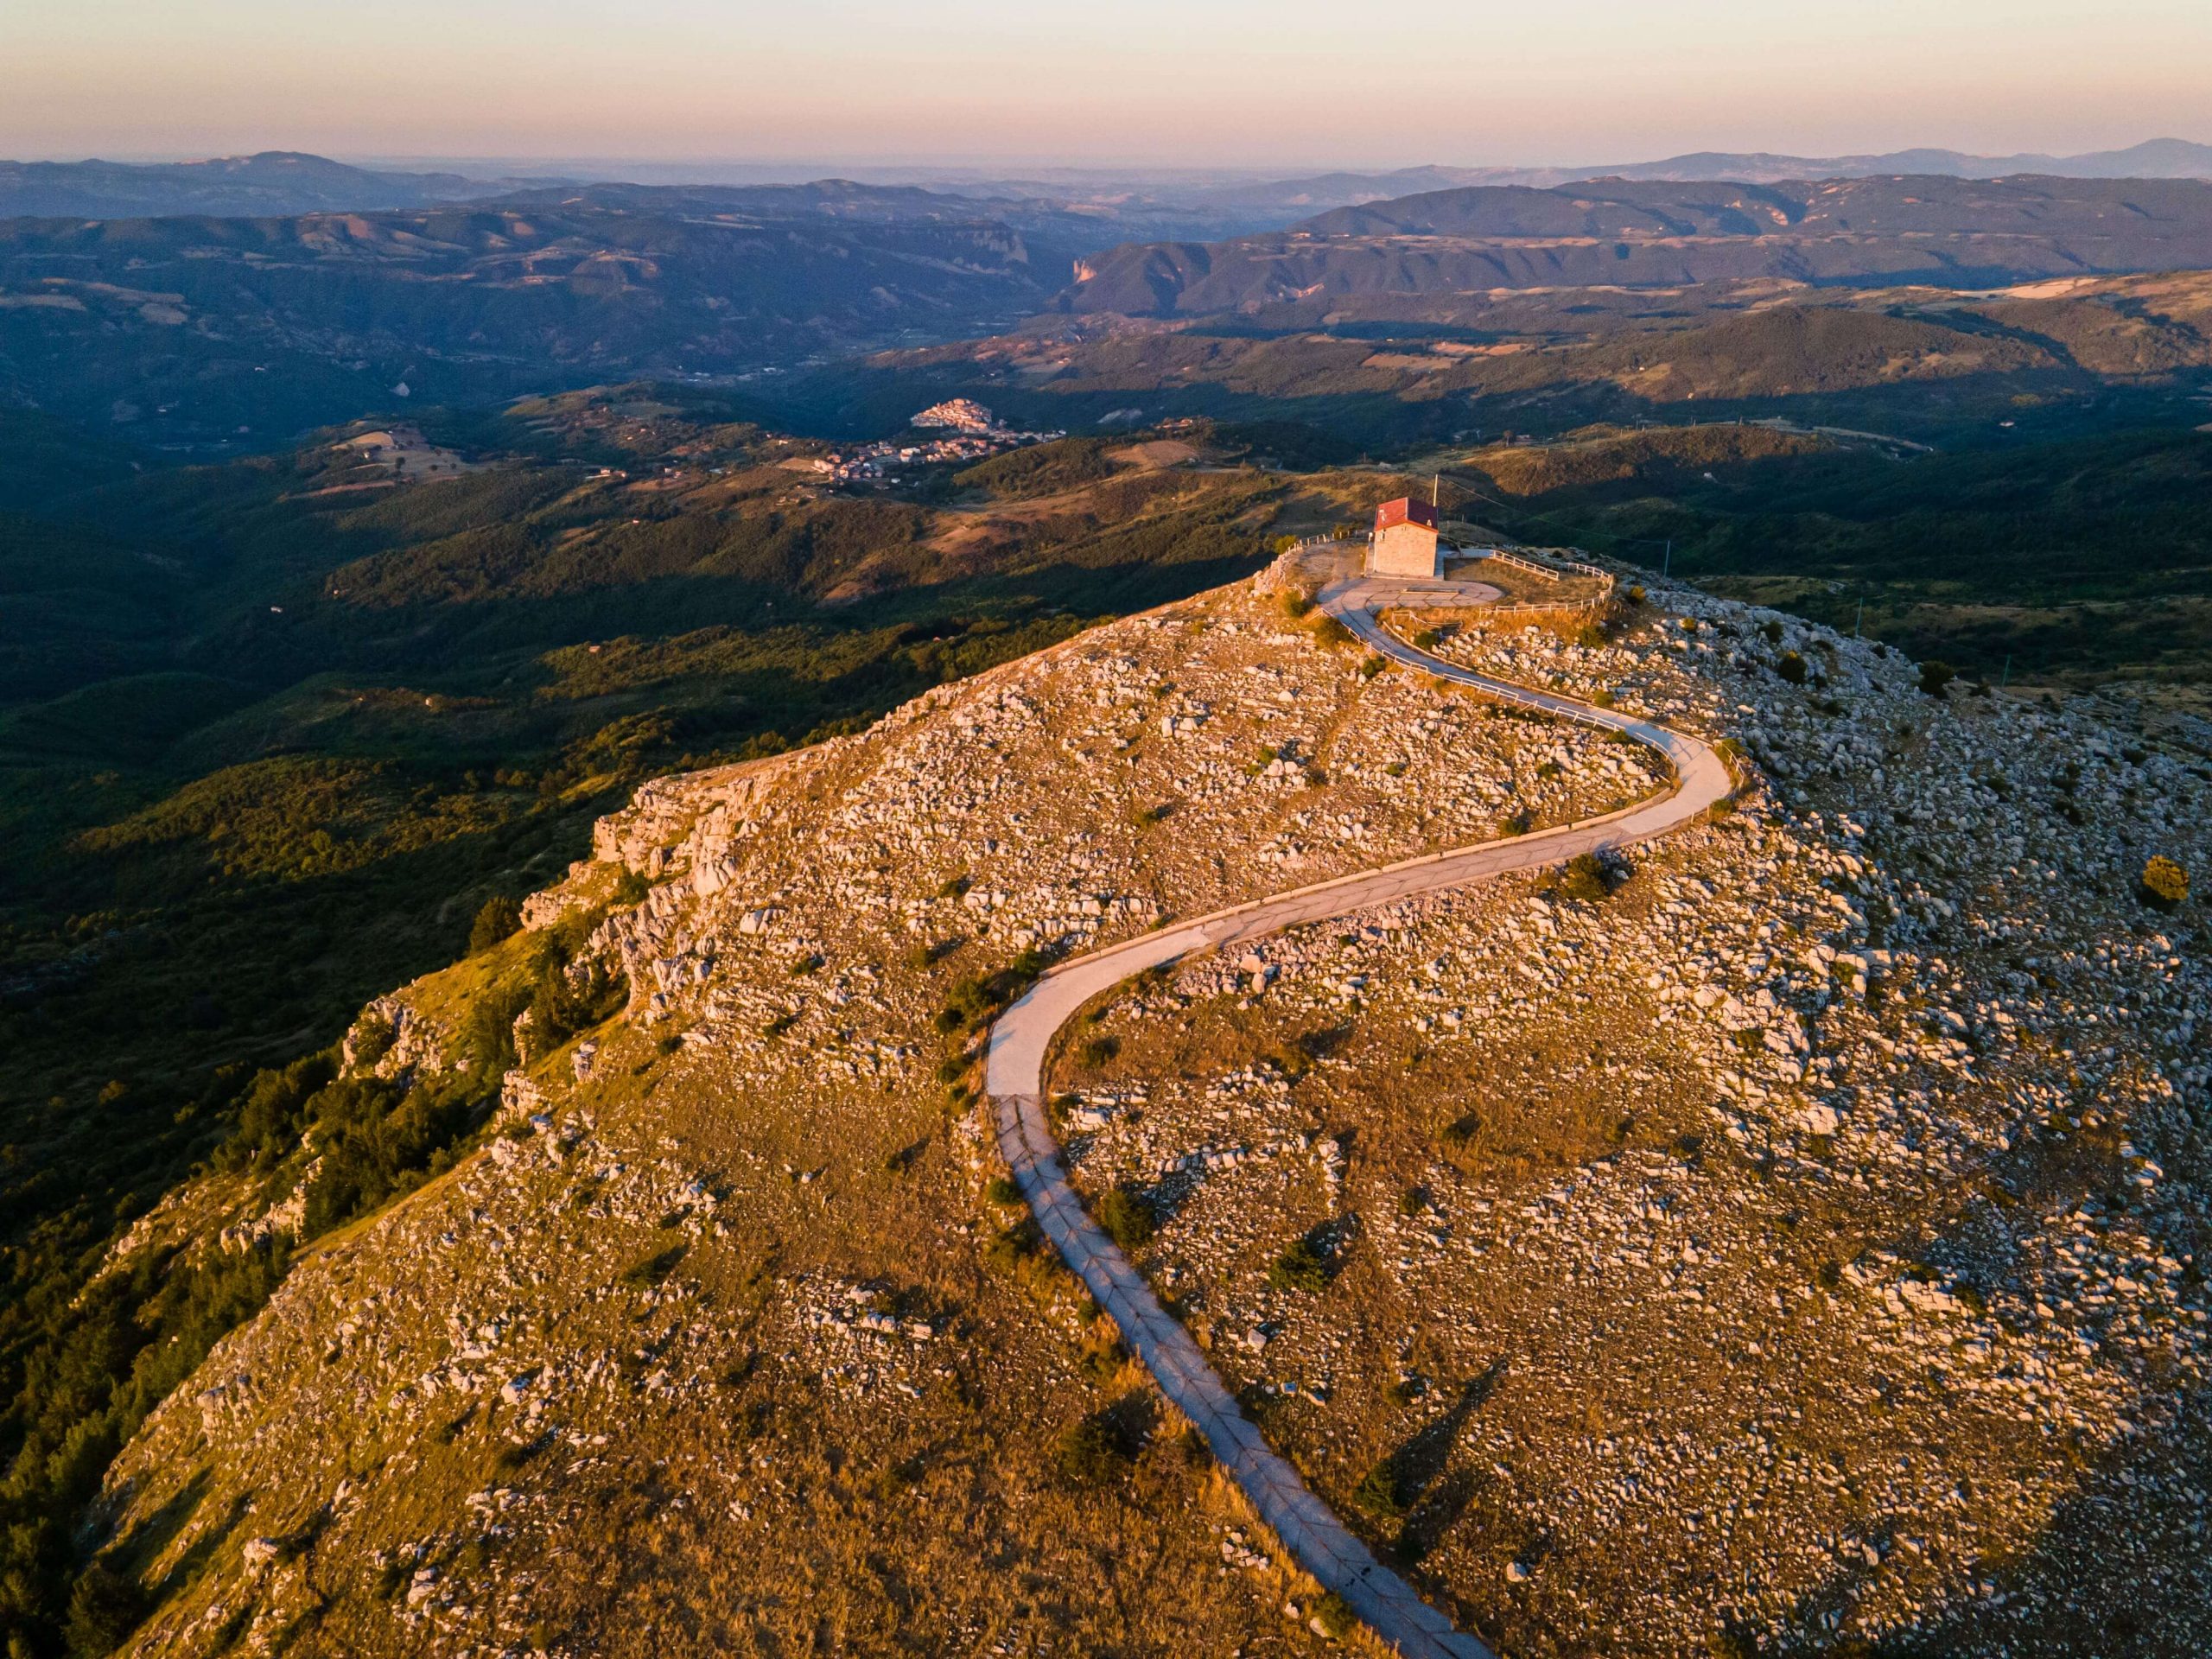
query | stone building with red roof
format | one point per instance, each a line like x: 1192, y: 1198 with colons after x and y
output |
x: 1404, y: 540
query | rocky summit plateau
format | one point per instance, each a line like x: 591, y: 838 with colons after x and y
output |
x: 1784, y: 1234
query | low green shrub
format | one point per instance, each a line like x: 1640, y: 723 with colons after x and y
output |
x: 1301, y: 1267
x: 513, y: 1455
x: 104, y: 1608
x: 373, y: 1036
x: 652, y: 1269
x: 1126, y: 1216
x: 1335, y: 1617
x: 2165, y: 884
x: 1380, y: 1492
x: 1014, y: 1245
x: 499, y: 920
x: 1091, y: 1450
x: 272, y: 1112
x: 1590, y: 878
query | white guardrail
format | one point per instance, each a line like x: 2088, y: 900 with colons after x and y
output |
x: 1557, y: 570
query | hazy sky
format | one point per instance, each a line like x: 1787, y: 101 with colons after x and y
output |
x: 1193, y: 82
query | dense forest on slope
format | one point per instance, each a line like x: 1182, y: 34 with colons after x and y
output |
x: 2068, y: 561
x: 267, y: 715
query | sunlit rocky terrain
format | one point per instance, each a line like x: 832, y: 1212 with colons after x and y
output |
x: 1787, y: 1236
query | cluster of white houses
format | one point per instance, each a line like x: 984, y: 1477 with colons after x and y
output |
x: 975, y: 434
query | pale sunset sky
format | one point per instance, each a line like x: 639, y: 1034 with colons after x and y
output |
x: 1195, y: 83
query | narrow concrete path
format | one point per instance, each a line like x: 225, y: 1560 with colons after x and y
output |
x: 1014, y: 1079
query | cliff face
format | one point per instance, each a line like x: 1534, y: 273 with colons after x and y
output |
x: 718, y: 1341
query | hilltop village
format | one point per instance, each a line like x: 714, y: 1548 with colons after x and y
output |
x: 973, y: 433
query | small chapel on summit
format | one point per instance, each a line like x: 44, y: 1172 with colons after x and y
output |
x: 1404, y: 540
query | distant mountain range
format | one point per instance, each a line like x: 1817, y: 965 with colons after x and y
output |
x: 1144, y: 205
x: 283, y: 184
x: 272, y: 184
x: 1874, y: 230
x: 216, y: 329
x: 1057, y: 230
x: 2159, y: 158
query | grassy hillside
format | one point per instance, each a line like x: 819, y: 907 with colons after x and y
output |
x: 273, y: 734
x: 249, y: 673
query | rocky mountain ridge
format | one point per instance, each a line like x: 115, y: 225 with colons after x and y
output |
x: 2156, y: 158
x: 1860, y: 232
x: 722, y: 1337
x: 266, y: 184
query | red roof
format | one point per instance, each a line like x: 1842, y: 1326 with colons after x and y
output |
x: 1406, y: 510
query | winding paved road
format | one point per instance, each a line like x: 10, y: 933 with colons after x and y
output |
x: 1014, y: 1079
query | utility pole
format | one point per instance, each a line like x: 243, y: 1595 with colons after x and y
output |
x: 2006, y: 678
x: 1861, y: 617
x: 1667, y: 561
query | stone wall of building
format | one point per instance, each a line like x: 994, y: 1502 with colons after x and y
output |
x: 1403, y: 549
